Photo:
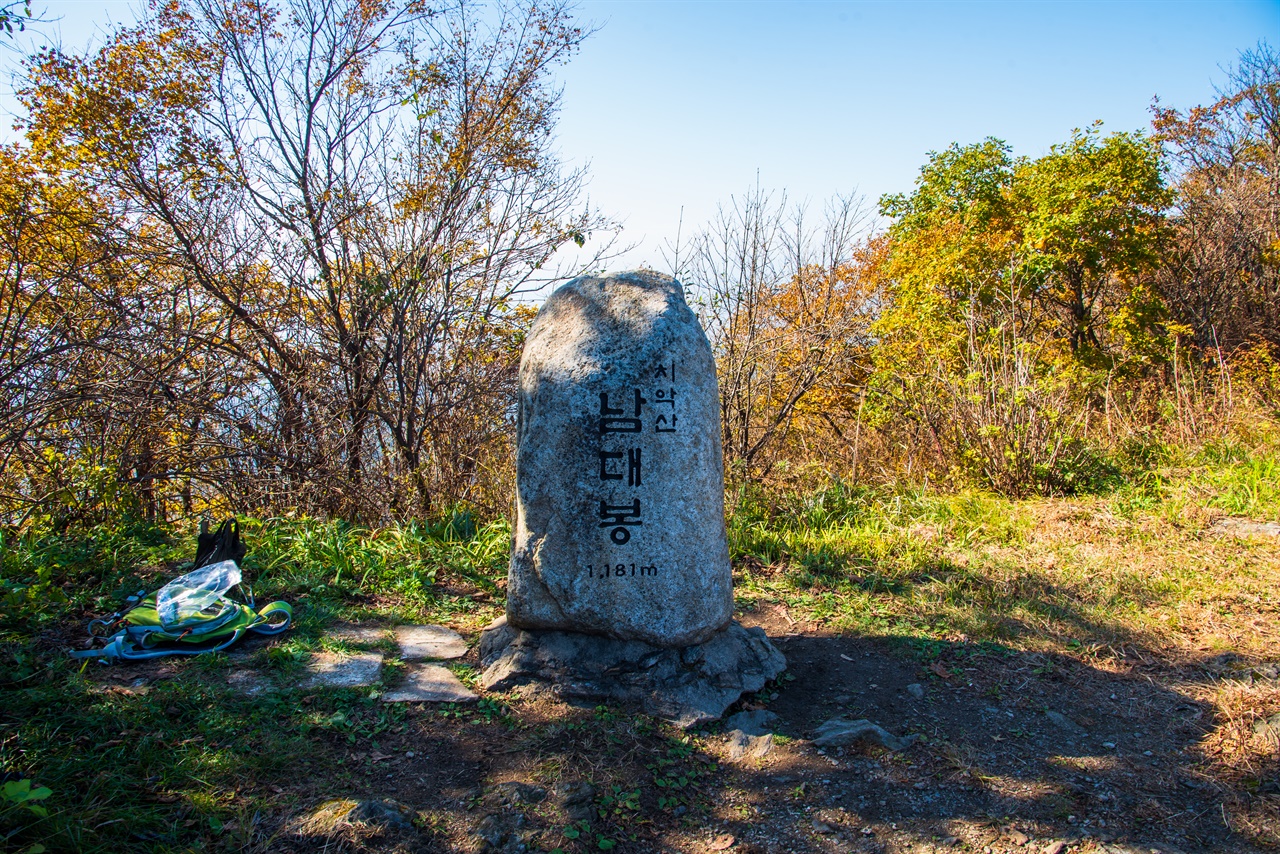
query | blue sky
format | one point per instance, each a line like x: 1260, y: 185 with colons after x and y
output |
x: 680, y: 104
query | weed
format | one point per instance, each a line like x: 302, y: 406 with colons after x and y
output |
x: 617, y: 801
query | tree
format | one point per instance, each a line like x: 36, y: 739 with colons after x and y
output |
x: 1011, y: 285
x: 1222, y: 275
x: 335, y: 204
x: 1089, y: 217
x: 11, y: 17
x: 787, y: 312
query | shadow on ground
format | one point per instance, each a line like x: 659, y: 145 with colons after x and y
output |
x: 1020, y: 752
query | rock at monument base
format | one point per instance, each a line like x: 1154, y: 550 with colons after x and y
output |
x: 688, y: 686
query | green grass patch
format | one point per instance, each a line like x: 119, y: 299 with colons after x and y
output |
x: 189, y: 762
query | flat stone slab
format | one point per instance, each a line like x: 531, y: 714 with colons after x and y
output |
x: 418, y: 642
x: 430, y: 683
x: 359, y: 634
x: 1238, y: 527
x: 334, y: 670
x: 687, y: 685
x: 250, y: 683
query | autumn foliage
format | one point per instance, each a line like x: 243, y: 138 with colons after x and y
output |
x: 271, y: 255
x: 1029, y: 325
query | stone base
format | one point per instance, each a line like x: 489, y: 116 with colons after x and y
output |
x: 687, y: 686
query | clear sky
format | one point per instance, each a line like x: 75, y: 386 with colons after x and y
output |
x: 681, y: 104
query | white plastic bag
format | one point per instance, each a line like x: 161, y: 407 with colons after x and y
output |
x: 187, y: 595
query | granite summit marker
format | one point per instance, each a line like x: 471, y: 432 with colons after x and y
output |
x: 619, y: 545
x: 620, y: 486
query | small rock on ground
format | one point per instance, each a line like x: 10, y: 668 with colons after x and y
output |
x: 430, y: 683
x: 1017, y: 837
x: 576, y: 798
x: 334, y: 670
x: 1268, y: 728
x: 349, y: 820
x: 1063, y: 722
x: 758, y: 722
x: 513, y: 793
x: 742, y: 745
x: 384, y: 813
x: 915, y: 689
x: 418, y: 642
x: 838, y: 732
x: 503, y: 832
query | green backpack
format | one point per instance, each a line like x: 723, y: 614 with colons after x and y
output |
x: 192, y: 613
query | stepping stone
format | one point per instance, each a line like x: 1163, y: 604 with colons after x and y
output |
x: 359, y: 634
x: 248, y: 682
x: 417, y: 642
x: 430, y: 683
x: 333, y: 670
x: 1238, y: 527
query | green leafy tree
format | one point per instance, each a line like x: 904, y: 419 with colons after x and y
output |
x: 1088, y: 219
x: 1008, y: 281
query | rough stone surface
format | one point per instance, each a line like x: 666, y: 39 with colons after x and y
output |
x: 744, y: 746
x: 333, y: 670
x: 838, y: 732
x: 418, y: 642
x: 916, y: 690
x: 758, y: 722
x: 576, y: 798
x: 513, y: 793
x: 619, y: 525
x: 358, y: 634
x: 430, y: 683
x: 688, y: 686
x: 1268, y: 728
x: 384, y: 812
x: 1061, y: 721
x: 502, y: 833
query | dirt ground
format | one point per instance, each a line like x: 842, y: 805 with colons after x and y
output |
x: 1019, y: 752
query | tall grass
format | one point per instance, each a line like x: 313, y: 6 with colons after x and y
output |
x: 335, y: 558
x: 922, y: 563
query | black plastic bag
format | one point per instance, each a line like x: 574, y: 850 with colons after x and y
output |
x: 222, y: 544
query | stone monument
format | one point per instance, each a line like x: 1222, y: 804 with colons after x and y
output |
x: 620, y: 585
